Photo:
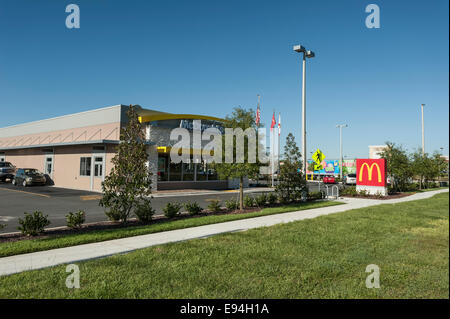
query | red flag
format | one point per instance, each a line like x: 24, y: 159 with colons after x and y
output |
x: 258, y: 116
x: 273, y: 122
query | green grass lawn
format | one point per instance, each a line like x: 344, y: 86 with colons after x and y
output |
x: 33, y: 245
x: 325, y: 257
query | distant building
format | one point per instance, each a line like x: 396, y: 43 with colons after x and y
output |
x: 376, y: 150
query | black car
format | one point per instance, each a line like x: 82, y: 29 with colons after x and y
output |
x: 6, y: 171
x: 29, y: 176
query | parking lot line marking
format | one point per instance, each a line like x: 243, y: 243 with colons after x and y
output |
x: 91, y: 197
x: 15, y: 190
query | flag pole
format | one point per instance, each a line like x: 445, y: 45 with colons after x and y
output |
x: 279, y: 144
x: 273, y: 150
x: 258, y: 116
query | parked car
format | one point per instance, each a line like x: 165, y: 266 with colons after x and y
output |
x: 7, y: 171
x: 29, y: 176
x: 350, y: 179
x: 329, y: 179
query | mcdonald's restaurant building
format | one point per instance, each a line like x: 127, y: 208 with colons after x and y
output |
x: 75, y: 151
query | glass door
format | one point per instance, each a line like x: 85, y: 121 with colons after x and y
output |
x: 48, y: 165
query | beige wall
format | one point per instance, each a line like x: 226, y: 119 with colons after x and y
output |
x: 66, y: 164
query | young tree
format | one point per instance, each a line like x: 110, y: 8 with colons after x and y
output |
x: 292, y: 183
x: 419, y: 163
x: 427, y: 168
x: 128, y: 187
x: 398, y: 166
x: 435, y: 168
x: 243, y: 119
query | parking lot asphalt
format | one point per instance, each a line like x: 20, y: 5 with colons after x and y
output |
x: 58, y: 202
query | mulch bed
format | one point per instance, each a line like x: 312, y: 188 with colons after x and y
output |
x: 107, y: 225
x: 389, y: 196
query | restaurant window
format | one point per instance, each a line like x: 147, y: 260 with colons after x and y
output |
x: 85, y: 166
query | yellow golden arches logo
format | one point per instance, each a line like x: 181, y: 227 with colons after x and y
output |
x: 369, y: 171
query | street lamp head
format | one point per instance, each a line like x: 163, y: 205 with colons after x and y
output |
x: 310, y: 54
x: 299, y: 48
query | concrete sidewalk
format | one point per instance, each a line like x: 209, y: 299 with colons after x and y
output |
x: 38, y: 260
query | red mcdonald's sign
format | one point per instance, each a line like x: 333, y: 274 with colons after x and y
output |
x: 371, y: 172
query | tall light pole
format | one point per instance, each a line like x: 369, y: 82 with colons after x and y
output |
x: 306, y: 54
x: 340, y: 126
x: 423, y: 133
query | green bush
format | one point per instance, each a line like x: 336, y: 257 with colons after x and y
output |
x: 378, y: 194
x: 33, y: 224
x: 232, y: 204
x: 144, y: 212
x: 2, y: 226
x: 431, y: 185
x: 114, y: 215
x: 315, y: 195
x: 193, y: 208
x: 214, y: 206
x: 172, y: 210
x: 363, y: 192
x: 249, y: 201
x: 75, y: 220
x: 272, y: 198
x: 261, y: 200
x: 349, y: 191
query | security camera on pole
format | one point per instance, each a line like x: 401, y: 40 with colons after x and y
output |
x: 306, y: 54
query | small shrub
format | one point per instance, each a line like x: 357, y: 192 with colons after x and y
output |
x: 282, y: 199
x: 114, y: 215
x: 363, y: 192
x: 33, y: 224
x: 193, y: 208
x: 249, y: 201
x: 431, y: 185
x: 232, y: 204
x: 261, y: 200
x: 2, y: 226
x: 172, y: 210
x: 272, y: 198
x: 315, y: 195
x: 144, y: 212
x: 349, y: 191
x: 214, y: 206
x: 378, y: 194
x: 75, y: 220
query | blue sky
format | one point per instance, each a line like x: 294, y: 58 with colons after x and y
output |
x: 206, y: 57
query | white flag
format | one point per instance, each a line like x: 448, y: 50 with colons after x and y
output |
x: 279, y: 123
